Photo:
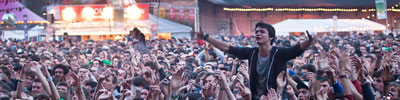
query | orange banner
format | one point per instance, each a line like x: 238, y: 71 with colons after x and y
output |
x: 86, y: 13
x: 136, y: 12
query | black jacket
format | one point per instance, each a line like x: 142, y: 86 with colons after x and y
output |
x: 278, y: 58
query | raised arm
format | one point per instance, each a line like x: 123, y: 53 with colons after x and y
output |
x: 378, y: 62
x: 53, y: 89
x: 20, y: 86
x: 224, y: 87
x: 217, y: 43
x: 304, y: 45
x: 298, y: 49
x: 343, y: 77
x: 103, y: 76
x: 35, y: 67
x: 78, y: 86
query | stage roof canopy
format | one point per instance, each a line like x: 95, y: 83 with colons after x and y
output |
x: 303, y: 3
x: 19, y: 10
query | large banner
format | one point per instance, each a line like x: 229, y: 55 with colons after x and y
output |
x: 181, y: 13
x: 161, y: 12
x: 381, y: 9
x: 81, y: 13
x: 192, y: 14
x: 136, y: 12
x: 171, y: 13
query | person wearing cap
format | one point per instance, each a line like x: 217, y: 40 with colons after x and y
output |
x: 303, y: 91
x: 265, y: 61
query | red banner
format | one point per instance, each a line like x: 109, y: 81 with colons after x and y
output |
x: 191, y: 14
x: 86, y: 13
x: 136, y: 12
x: 181, y: 13
x: 171, y: 13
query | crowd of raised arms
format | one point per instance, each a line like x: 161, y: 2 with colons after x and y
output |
x: 362, y: 66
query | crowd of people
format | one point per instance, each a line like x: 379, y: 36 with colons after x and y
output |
x: 362, y: 66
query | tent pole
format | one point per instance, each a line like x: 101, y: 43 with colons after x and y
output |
x: 387, y: 26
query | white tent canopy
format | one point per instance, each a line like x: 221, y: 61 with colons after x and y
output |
x: 20, y: 34
x: 167, y: 26
x: 325, y: 25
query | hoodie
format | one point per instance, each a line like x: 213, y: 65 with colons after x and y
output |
x: 279, y: 57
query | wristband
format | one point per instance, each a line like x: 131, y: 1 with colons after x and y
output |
x: 50, y: 79
x: 20, y: 80
x: 206, y: 36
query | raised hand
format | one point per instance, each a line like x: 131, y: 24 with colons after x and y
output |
x: 343, y: 59
x: 323, y: 62
x: 126, y: 84
x: 272, y: 95
x: 45, y: 71
x: 239, y: 78
x: 105, y: 95
x: 190, y: 86
x: 104, y: 75
x: 220, y: 76
x: 147, y: 75
x: 245, y: 92
x: 35, y: 67
x: 322, y: 95
x: 236, y: 61
x: 154, y: 91
x: 311, y: 39
x: 76, y: 80
x: 281, y: 80
x: 199, y: 35
x: 331, y: 76
x: 386, y: 72
x: 333, y: 61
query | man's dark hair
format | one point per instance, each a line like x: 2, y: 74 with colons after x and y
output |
x: 114, y: 78
x: 92, y: 84
x: 34, y: 57
x: 37, y: 80
x: 84, y: 67
x: 62, y: 84
x: 205, y: 77
x: 63, y: 67
x: 376, y: 74
x: 309, y: 67
x: 152, y: 65
x: 42, y: 96
x: 139, y: 81
x: 6, y: 72
x: 100, y: 62
x: 301, y: 85
x: 270, y: 28
x: 199, y: 75
x: 372, y: 58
